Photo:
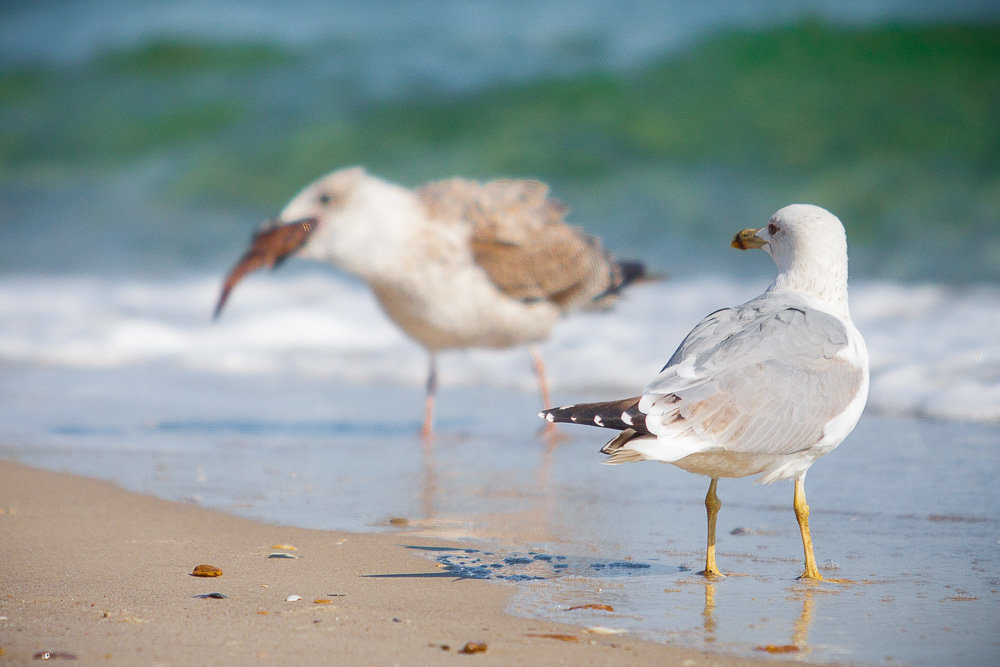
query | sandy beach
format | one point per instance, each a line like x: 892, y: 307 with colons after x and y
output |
x: 104, y: 575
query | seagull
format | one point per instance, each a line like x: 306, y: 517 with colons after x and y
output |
x: 455, y: 263
x: 764, y: 388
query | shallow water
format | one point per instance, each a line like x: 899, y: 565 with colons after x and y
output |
x: 906, y: 508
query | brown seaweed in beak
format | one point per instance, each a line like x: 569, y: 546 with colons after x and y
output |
x: 269, y: 248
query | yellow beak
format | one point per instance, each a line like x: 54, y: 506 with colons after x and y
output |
x: 747, y: 239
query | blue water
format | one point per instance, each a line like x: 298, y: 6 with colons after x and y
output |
x: 141, y: 144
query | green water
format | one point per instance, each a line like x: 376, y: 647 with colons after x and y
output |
x: 893, y: 128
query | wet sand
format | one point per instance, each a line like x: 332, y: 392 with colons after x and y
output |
x: 103, y: 574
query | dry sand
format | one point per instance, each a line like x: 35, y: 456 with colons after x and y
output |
x: 92, y: 571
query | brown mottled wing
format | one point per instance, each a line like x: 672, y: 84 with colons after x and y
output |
x: 520, y: 240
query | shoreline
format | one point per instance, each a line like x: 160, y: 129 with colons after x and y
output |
x: 102, y: 574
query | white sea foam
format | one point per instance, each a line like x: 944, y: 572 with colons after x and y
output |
x: 934, y: 350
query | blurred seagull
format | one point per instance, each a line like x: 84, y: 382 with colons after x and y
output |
x: 455, y: 264
x: 763, y: 388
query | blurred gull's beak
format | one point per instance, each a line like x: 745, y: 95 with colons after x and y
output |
x: 268, y: 249
x: 747, y: 239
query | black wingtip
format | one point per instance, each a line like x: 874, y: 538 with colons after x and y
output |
x: 615, y: 415
x: 636, y: 272
x: 626, y: 273
x: 563, y: 414
x: 631, y: 271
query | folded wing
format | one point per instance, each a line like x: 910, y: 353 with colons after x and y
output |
x: 764, y: 378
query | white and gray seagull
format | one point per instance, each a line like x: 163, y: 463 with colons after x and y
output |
x: 764, y: 388
x: 455, y: 264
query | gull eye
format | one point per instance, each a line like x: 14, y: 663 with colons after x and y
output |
x: 772, y: 228
x: 325, y: 198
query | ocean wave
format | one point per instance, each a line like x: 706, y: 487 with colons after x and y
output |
x: 934, y: 352
x: 205, y: 131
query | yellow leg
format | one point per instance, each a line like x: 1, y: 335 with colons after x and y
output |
x: 712, y: 505
x: 802, y: 514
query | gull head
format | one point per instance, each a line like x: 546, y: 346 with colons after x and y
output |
x: 344, y: 218
x: 809, y: 246
x: 357, y: 217
x: 324, y: 201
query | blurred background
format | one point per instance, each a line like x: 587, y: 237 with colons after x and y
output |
x: 141, y: 143
x: 151, y: 137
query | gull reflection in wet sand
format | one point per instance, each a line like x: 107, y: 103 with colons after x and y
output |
x: 800, y: 626
x: 549, y: 439
x: 708, y: 615
x: 516, y: 513
x: 429, y: 486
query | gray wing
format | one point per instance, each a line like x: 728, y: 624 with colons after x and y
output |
x: 763, y: 377
x: 519, y: 239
